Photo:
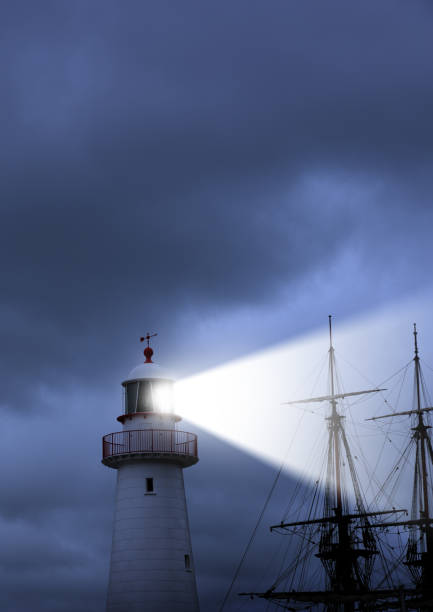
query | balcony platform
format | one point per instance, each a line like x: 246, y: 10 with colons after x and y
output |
x: 149, y: 444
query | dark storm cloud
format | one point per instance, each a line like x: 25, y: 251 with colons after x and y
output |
x: 152, y: 153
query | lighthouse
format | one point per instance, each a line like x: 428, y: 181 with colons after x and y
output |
x: 152, y: 567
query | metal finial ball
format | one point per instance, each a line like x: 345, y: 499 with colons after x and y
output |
x: 148, y: 352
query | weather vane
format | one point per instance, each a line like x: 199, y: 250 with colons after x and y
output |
x: 148, y: 352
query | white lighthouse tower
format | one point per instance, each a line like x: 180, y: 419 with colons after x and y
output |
x: 152, y: 567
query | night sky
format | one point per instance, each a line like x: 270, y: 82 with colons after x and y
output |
x: 223, y: 173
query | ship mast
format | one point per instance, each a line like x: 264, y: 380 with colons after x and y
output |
x: 342, y: 577
x: 421, y: 435
x: 347, y: 546
x: 419, y: 556
x: 335, y: 422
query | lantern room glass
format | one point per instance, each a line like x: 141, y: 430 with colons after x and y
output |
x: 150, y: 395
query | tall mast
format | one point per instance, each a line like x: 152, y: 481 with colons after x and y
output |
x: 423, y: 440
x: 335, y: 422
x: 421, y: 429
x: 419, y: 557
x: 346, y: 546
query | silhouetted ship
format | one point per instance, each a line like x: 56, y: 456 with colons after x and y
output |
x: 353, y: 556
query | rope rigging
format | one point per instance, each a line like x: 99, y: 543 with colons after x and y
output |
x: 343, y: 549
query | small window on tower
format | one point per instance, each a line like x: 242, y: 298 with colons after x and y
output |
x: 187, y: 562
x: 149, y: 485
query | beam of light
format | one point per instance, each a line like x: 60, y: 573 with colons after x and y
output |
x: 241, y: 401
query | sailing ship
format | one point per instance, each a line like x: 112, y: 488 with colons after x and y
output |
x: 352, y: 555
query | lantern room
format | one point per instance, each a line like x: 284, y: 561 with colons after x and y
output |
x: 148, y: 390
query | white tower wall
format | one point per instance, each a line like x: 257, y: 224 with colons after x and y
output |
x: 149, y: 568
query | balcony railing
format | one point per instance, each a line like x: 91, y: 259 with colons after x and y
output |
x: 167, y: 441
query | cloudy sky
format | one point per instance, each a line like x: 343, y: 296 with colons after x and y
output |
x: 224, y: 173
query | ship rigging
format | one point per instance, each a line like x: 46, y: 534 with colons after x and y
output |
x: 348, y: 558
